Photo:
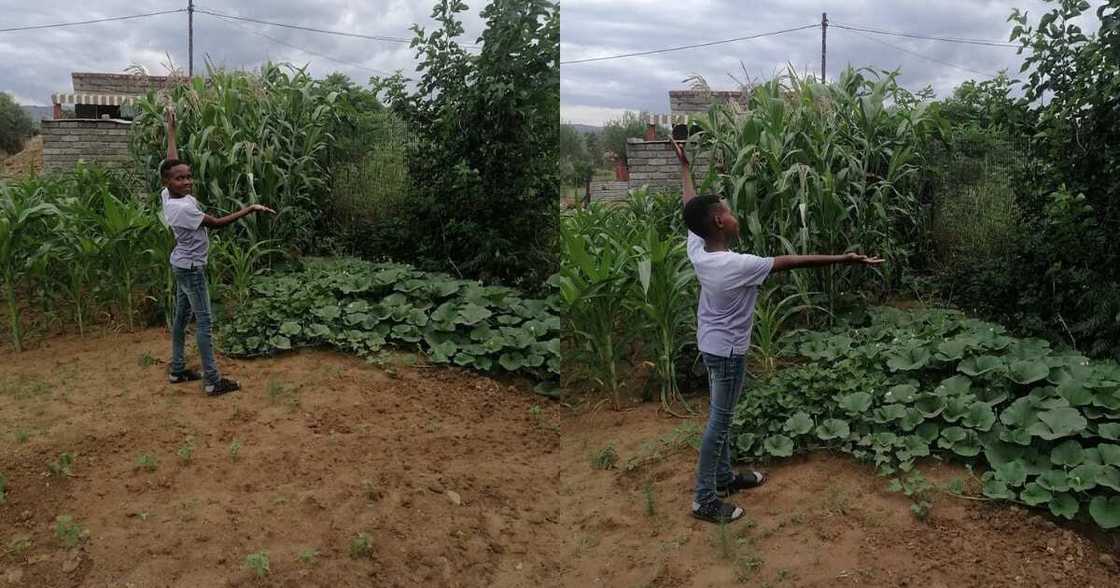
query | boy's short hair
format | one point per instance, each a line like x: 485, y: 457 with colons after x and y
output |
x: 168, y: 166
x: 698, y: 214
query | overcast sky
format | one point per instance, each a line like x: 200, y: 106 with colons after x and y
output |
x: 35, y: 64
x: 592, y: 93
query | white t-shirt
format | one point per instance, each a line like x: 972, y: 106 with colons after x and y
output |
x: 192, y: 241
x: 729, y: 284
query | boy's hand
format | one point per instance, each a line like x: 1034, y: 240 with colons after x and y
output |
x: 679, y: 149
x: 261, y: 208
x: 854, y: 258
x: 169, y: 116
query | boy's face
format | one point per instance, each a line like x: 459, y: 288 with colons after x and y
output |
x: 178, y: 180
x: 726, y: 222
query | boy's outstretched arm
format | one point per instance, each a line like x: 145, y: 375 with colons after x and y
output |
x: 219, y: 222
x: 688, y: 189
x: 169, y: 123
x: 788, y: 262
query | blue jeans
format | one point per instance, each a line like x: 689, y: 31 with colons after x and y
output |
x: 193, y: 296
x: 725, y: 379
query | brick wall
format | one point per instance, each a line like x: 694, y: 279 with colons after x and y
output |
x: 653, y: 163
x: 102, y: 83
x: 696, y: 101
x: 67, y: 141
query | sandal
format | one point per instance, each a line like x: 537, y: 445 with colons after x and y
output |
x: 183, y: 376
x: 753, y: 479
x: 717, y: 511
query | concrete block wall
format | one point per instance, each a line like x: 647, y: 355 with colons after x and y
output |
x: 102, y: 83
x: 699, y: 101
x: 611, y: 190
x: 68, y: 141
x: 654, y: 163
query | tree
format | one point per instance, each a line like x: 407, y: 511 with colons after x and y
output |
x: 629, y: 125
x: 576, y: 164
x: 485, y: 184
x: 15, y: 125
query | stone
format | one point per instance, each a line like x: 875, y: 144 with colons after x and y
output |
x: 455, y: 498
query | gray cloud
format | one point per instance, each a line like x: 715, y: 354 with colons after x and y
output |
x: 36, y: 64
x: 593, y: 92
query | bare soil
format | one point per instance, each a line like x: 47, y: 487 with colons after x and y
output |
x: 820, y: 520
x: 456, y: 479
x: 443, y: 470
x: 26, y: 162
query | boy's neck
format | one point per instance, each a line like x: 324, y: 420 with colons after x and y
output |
x: 716, y: 244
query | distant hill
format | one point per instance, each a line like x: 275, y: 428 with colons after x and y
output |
x: 38, y: 113
x: 586, y: 129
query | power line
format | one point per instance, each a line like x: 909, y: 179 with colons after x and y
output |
x: 388, y: 39
x: 85, y: 22
x: 925, y: 37
x: 308, y: 51
x: 683, y: 47
x: 926, y: 57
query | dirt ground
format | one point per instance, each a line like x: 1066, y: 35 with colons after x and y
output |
x: 455, y: 479
x: 444, y: 471
x: 28, y: 161
x: 820, y: 520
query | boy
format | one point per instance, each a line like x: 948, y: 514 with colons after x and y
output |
x: 729, y: 284
x: 183, y: 215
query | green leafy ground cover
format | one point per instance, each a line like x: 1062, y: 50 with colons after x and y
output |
x: 905, y: 385
x: 363, y: 307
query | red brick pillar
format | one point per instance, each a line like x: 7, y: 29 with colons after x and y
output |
x: 651, y: 132
x: 57, y: 111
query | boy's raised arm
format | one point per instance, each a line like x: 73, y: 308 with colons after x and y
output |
x: 688, y: 189
x: 169, y: 123
x: 788, y: 262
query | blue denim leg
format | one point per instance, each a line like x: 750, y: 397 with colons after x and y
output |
x: 179, y: 326
x: 725, y: 380
x: 192, y: 282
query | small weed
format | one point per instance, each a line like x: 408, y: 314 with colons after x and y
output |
x: 258, y: 562
x: 918, y: 489
x: 604, y: 459
x: 22, y: 436
x: 686, y: 435
x: 535, y: 411
x: 3, y: 489
x: 278, y: 393
x: 146, y: 360
x: 146, y: 462
x: 186, y: 452
x: 68, y: 532
x: 725, y: 546
x: 837, y: 501
x: 370, y: 490
x: 747, y: 566
x: 647, y: 492
x: 234, y: 450
x: 361, y: 546
x: 63, y: 465
x: 19, y: 544
x: 308, y: 556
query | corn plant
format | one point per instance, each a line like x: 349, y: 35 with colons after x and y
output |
x: 770, y: 318
x: 666, y: 297
x: 24, y: 216
x: 236, y: 261
x: 123, y: 223
x: 593, y: 282
x: 250, y: 138
x: 811, y: 168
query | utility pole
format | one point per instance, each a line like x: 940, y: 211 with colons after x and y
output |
x: 190, y: 38
x: 824, y: 36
